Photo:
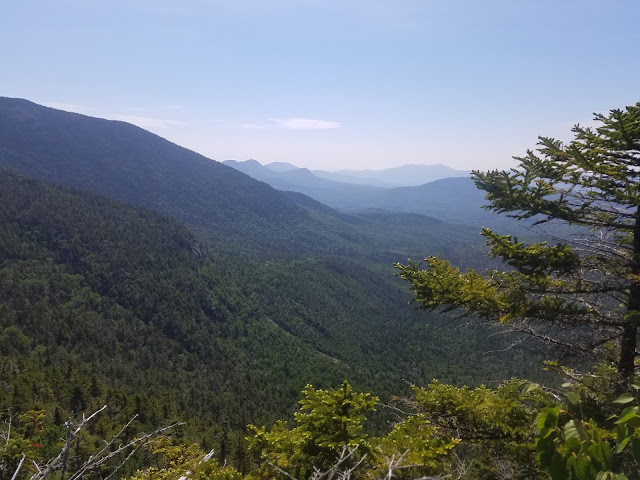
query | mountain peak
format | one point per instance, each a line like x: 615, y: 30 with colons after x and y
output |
x: 280, y: 166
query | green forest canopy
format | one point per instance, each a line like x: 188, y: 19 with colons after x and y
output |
x: 581, y: 431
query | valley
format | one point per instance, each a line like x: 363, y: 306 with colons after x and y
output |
x: 196, y: 292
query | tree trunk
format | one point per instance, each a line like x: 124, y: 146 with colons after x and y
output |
x: 626, y: 365
x: 628, y: 344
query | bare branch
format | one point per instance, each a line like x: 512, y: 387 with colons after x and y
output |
x: 204, y: 459
x: 100, y: 458
x: 15, y: 474
x: 93, y: 463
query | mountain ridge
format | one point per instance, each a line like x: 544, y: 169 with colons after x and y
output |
x: 324, y: 276
x: 452, y: 199
x: 128, y: 163
x: 409, y: 175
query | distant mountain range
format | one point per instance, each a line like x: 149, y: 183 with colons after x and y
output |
x: 404, y: 176
x: 130, y: 164
x: 454, y: 199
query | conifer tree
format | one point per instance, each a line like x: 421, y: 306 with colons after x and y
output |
x: 581, y: 291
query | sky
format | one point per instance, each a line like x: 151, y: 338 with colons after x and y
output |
x: 330, y: 84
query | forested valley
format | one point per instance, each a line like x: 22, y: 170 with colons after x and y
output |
x: 180, y: 293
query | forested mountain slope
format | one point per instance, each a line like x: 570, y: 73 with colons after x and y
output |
x: 320, y: 276
x: 101, y: 303
x: 125, y: 162
x: 92, y: 290
x: 128, y: 163
x: 229, y: 208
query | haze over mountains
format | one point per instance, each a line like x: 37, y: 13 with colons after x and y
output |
x: 434, y: 190
x: 125, y: 162
x: 264, y: 269
x: 403, y: 176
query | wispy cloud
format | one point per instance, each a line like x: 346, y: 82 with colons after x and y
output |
x: 252, y: 126
x: 147, y: 122
x: 175, y: 107
x: 305, y: 123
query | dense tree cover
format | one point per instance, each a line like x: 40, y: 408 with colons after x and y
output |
x: 306, y: 268
x: 583, y: 292
x: 580, y: 294
x: 104, y: 303
x: 236, y: 212
x: 516, y: 431
x: 327, y: 441
x: 101, y: 303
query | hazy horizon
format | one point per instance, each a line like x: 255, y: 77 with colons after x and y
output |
x: 330, y: 85
x: 266, y: 164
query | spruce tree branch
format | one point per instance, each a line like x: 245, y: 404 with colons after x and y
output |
x: 547, y: 339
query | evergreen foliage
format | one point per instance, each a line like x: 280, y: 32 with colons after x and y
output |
x: 101, y: 303
x: 583, y: 292
x: 329, y: 437
x: 104, y: 303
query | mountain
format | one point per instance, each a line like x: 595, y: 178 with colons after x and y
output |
x: 98, y: 291
x: 341, y: 196
x: 455, y: 199
x: 404, y: 176
x: 280, y: 166
x: 451, y: 199
x: 321, y: 276
x: 128, y: 163
x: 227, y: 207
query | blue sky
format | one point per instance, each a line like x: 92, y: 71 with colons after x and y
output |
x: 331, y: 84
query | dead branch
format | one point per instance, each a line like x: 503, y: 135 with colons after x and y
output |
x: 97, y: 460
x: 204, y: 459
x: 15, y: 474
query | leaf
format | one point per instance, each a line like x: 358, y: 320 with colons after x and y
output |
x: 627, y: 415
x: 622, y: 444
x: 632, y: 420
x: 635, y: 448
x: 531, y: 387
x: 558, y: 469
x: 580, y: 467
x: 602, y: 453
x: 548, y: 418
x: 572, y: 436
x: 573, y: 398
x: 625, y: 398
